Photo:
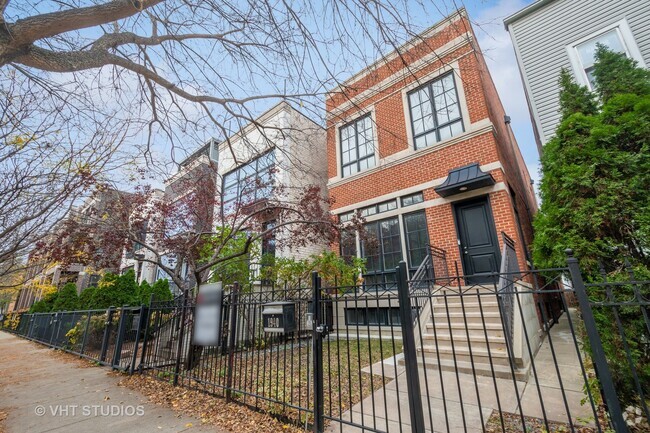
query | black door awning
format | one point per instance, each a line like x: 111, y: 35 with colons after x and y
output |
x: 464, y: 179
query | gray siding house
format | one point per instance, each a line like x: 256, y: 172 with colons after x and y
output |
x: 549, y: 35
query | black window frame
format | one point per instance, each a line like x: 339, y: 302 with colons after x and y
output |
x: 436, y: 127
x: 376, y: 208
x: 348, y: 246
x: 412, y: 197
x: 361, y: 316
x: 259, y: 190
x: 413, y: 266
x: 357, y: 160
x: 382, y: 277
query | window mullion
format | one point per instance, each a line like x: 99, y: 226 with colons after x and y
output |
x: 434, y: 112
x: 356, y: 146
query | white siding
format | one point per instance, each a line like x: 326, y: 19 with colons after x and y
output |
x: 541, y: 38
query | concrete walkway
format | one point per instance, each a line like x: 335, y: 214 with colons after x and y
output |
x: 43, y: 392
x: 387, y: 410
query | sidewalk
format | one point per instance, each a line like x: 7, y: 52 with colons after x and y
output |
x: 42, y: 392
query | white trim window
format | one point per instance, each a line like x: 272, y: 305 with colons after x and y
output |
x: 357, y: 146
x: 617, y: 37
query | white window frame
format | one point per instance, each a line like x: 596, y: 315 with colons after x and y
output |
x: 627, y: 39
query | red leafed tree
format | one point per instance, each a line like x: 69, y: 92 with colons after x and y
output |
x: 189, y: 223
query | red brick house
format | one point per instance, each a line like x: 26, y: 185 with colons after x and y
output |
x: 419, y: 143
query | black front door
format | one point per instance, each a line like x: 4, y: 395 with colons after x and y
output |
x: 479, y: 245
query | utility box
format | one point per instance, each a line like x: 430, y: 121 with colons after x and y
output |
x: 279, y: 317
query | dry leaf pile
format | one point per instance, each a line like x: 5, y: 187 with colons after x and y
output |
x: 209, y: 409
x: 512, y: 423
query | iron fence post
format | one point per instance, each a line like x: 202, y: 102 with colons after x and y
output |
x: 30, y: 326
x: 232, y: 341
x: 121, y: 330
x: 410, y: 351
x: 107, y: 333
x: 181, y: 336
x: 53, y: 326
x: 146, y: 334
x: 317, y: 341
x: 85, y: 337
x: 142, y: 319
x: 598, y: 353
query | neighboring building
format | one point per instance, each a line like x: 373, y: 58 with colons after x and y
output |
x: 550, y: 35
x: 43, y: 273
x: 419, y: 143
x: 282, y: 148
x: 138, y: 258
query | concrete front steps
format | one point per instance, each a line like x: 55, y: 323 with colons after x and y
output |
x: 464, y: 333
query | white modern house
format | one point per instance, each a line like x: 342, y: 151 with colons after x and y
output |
x: 280, y: 152
x: 549, y: 35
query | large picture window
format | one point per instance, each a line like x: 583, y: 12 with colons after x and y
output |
x: 382, y: 249
x: 357, y: 147
x: 435, y: 112
x: 250, y: 182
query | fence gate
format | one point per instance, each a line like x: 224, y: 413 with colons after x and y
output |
x: 441, y: 354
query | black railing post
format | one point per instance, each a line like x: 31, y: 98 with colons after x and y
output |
x: 107, y: 333
x: 232, y: 340
x: 146, y: 334
x: 410, y: 351
x: 142, y: 320
x: 121, y: 330
x: 598, y: 353
x: 317, y: 341
x: 53, y: 326
x: 85, y: 337
x: 181, y: 336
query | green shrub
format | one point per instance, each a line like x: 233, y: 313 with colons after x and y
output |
x: 159, y: 289
x: 86, y: 298
x: 46, y: 304
x: 67, y: 300
x: 115, y: 290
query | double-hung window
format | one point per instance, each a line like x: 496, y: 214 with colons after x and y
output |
x: 357, y: 146
x: 250, y: 182
x: 435, y: 112
x: 617, y: 38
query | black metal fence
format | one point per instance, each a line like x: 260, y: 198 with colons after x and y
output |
x: 109, y: 337
x: 526, y: 350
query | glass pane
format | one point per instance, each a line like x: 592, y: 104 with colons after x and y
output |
x: 367, y: 163
x: 370, y: 210
x: 456, y: 128
x: 386, y: 206
x: 587, y: 50
x: 412, y: 199
x: 417, y: 237
x: 445, y: 132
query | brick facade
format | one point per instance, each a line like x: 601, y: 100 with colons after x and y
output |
x: 449, y: 47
